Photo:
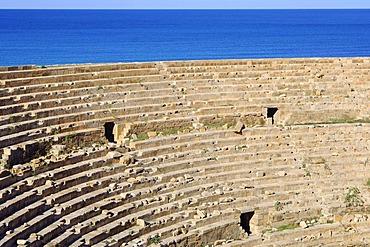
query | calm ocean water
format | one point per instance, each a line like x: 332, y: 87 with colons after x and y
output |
x: 47, y: 37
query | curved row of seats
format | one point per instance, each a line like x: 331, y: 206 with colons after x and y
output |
x: 188, y: 183
x: 30, y: 110
x: 86, y: 199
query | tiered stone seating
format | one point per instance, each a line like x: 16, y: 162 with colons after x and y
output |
x: 196, y: 149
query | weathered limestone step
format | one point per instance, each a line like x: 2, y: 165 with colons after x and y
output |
x: 101, y: 86
x: 121, y: 238
x: 17, y: 203
x: 13, y: 189
x: 330, y: 234
x: 131, y: 83
x: 25, y: 230
x: 313, y: 62
x: 267, y: 62
x: 211, y: 144
x: 41, y: 135
x: 60, y: 227
x: 234, y: 68
x: 249, y: 241
x: 64, y: 239
x: 108, y: 230
x: 129, y: 89
x: 183, y: 138
x: 279, y: 82
x: 32, y: 70
x: 227, y: 162
x: 231, y: 155
x: 44, y: 131
x: 114, y: 227
x: 23, y: 215
x: 5, y: 182
x: 68, y: 102
x: 16, y: 68
x: 79, y: 76
x: 260, y: 78
x: 126, y: 91
x: 215, y: 231
x: 332, y: 75
x: 85, y: 112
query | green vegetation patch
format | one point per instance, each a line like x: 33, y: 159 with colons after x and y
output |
x: 174, y: 131
x: 155, y: 239
x: 215, y: 125
x: 353, y: 197
x: 142, y: 137
x: 280, y: 228
x: 287, y: 227
x: 278, y: 206
x: 266, y: 231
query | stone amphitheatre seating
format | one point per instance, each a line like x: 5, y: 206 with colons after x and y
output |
x: 190, y: 153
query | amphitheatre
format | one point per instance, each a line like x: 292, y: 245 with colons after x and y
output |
x: 264, y: 152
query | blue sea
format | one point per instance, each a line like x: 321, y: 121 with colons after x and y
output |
x: 46, y: 37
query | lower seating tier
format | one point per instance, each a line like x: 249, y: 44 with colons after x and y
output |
x: 155, y: 192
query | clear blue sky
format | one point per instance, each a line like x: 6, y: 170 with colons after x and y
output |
x: 182, y: 4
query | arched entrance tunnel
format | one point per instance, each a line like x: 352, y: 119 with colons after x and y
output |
x: 108, y: 131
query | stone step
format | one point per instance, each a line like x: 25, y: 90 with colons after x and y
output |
x: 33, y: 71
x: 78, y: 76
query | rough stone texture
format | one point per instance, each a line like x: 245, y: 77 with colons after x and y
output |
x: 177, y: 174
x: 239, y: 127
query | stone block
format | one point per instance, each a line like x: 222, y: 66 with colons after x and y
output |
x: 239, y: 127
x: 201, y: 214
x: 152, y: 134
x: 133, y: 181
x: 260, y: 174
x: 114, y: 155
x: 281, y: 173
x: 141, y: 222
x: 22, y: 241
x: 303, y: 224
x: 127, y: 159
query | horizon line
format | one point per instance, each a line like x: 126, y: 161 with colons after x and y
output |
x: 364, y: 8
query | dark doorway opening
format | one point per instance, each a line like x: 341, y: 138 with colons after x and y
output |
x: 271, y: 112
x: 108, y: 133
x: 245, y: 219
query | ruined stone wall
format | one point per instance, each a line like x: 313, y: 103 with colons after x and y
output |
x: 199, y: 152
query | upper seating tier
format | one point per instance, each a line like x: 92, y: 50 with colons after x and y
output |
x: 265, y: 152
